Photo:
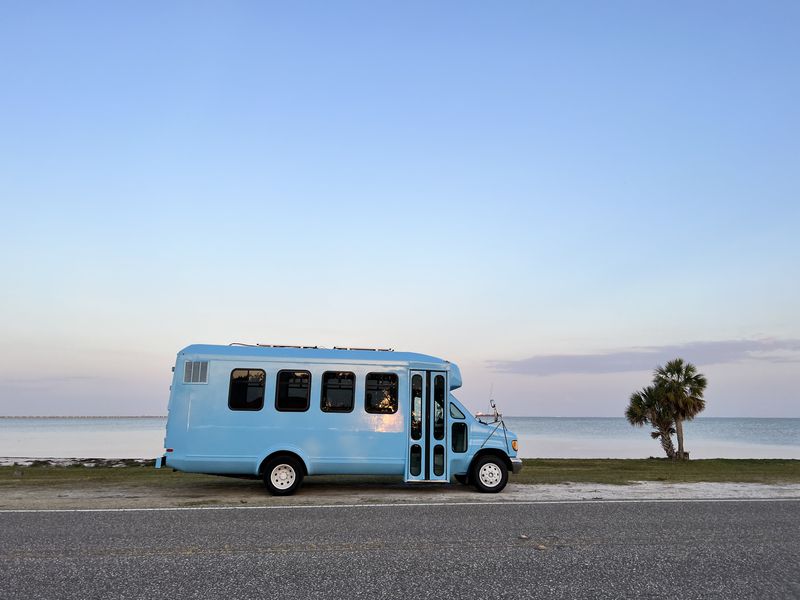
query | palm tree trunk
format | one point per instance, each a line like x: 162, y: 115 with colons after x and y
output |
x: 666, y: 443
x: 679, y: 432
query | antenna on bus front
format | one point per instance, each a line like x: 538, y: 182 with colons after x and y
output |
x: 492, y: 402
x: 495, y: 415
x: 497, y: 418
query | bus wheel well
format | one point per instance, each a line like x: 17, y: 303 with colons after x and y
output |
x: 277, y: 454
x: 490, y: 452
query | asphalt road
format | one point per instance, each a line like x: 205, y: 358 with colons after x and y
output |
x: 586, y: 550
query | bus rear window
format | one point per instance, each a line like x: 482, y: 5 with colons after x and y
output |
x: 381, y: 393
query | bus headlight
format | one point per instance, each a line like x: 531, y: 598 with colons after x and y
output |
x: 514, y: 445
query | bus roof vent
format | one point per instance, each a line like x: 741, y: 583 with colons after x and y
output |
x: 273, y: 346
x: 286, y: 346
x: 365, y: 349
x: 310, y: 347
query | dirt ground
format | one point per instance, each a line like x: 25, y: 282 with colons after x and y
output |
x: 226, y: 492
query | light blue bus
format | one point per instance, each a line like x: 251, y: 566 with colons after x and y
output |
x: 279, y: 413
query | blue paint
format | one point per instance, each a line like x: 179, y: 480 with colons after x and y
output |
x: 206, y: 436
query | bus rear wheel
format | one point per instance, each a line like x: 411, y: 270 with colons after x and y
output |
x: 489, y: 474
x: 283, y: 475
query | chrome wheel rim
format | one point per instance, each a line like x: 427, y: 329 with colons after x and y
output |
x: 490, y: 475
x: 283, y: 476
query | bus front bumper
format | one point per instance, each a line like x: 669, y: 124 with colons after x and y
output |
x: 516, y: 465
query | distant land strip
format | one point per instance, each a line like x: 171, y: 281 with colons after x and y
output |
x: 83, y: 417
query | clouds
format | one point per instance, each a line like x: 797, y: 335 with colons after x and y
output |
x: 647, y: 358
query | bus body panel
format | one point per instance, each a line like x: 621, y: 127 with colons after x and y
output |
x: 205, y: 435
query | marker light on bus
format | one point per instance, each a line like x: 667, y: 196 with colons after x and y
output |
x: 514, y: 445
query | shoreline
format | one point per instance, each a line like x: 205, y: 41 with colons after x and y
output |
x: 82, y: 417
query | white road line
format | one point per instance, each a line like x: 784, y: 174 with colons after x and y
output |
x: 396, y: 505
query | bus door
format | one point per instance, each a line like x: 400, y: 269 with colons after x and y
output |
x: 427, y: 436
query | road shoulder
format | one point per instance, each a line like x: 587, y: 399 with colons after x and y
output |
x: 229, y: 492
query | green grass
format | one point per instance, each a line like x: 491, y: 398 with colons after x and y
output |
x: 78, y: 475
x: 535, y: 471
x: 622, y: 471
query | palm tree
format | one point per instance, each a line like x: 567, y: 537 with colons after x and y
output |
x: 651, y: 405
x: 684, y: 388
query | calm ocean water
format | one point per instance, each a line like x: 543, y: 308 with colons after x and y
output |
x: 552, y: 437
x: 613, y: 437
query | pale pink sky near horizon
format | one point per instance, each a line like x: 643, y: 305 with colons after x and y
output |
x: 127, y: 381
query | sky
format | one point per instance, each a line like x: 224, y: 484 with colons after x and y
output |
x: 557, y: 196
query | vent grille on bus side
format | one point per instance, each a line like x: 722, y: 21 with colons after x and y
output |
x: 195, y: 371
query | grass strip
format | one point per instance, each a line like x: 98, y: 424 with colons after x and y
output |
x: 624, y: 471
x: 535, y: 471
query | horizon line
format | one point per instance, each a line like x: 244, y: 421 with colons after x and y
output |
x: 506, y: 416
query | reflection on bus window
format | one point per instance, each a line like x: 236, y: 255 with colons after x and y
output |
x: 438, y: 460
x: 438, y: 407
x: 293, y: 391
x: 338, y: 390
x: 415, y: 465
x: 455, y: 412
x: 381, y: 393
x: 246, y: 390
x: 416, y: 407
x: 459, y: 437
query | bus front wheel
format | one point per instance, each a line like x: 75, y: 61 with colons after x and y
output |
x: 489, y: 474
x: 283, y: 475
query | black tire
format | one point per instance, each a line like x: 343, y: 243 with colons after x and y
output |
x: 283, y: 475
x: 462, y: 479
x: 489, y: 474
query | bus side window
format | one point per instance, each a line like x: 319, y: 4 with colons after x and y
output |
x: 381, y: 393
x: 416, y: 409
x: 338, y: 391
x: 455, y: 412
x: 460, y: 441
x: 246, y: 391
x: 293, y: 390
